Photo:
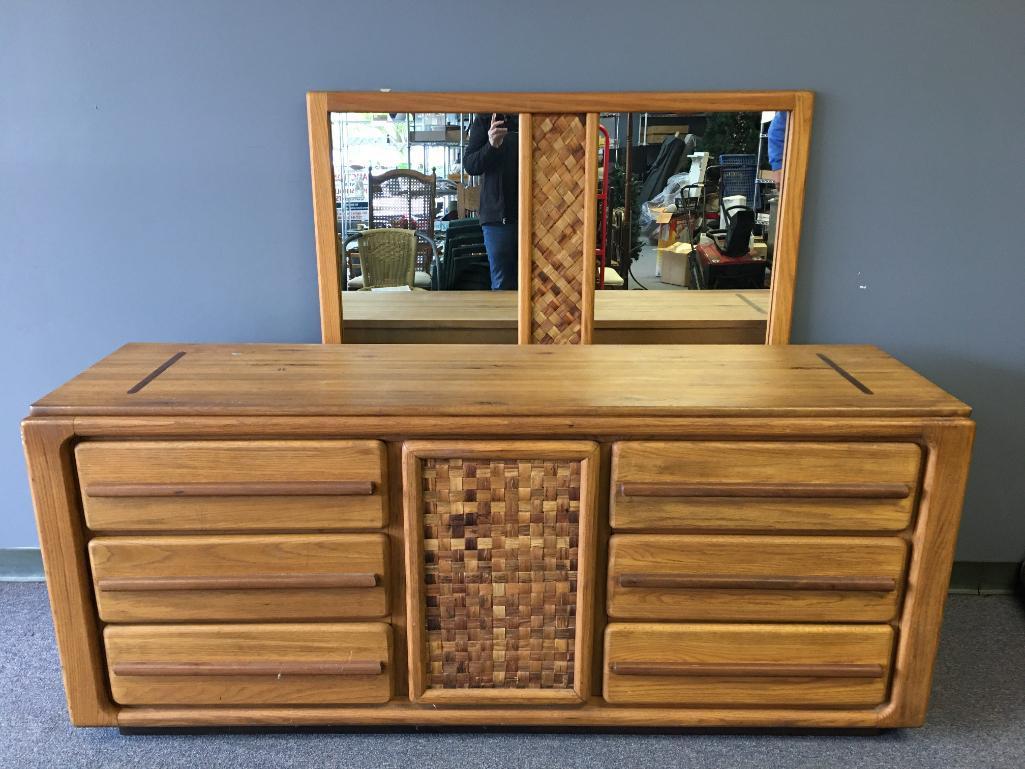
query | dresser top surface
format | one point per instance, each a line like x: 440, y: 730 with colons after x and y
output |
x: 495, y: 380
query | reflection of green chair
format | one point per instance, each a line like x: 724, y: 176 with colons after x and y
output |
x: 387, y: 257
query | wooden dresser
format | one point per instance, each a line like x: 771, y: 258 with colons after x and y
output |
x: 458, y: 535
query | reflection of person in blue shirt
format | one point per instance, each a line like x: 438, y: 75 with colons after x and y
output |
x: 777, y: 135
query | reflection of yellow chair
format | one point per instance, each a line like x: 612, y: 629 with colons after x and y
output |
x: 405, y: 199
x: 613, y: 279
x: 387, y: 258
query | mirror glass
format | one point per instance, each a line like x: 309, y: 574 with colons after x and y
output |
x: 426, y: 207
x: 425, y: 210
x: 689, y: 261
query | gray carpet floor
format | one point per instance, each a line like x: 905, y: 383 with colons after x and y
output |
x: 977, y: 719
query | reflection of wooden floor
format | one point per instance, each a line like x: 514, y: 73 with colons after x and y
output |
x: 620, y: 317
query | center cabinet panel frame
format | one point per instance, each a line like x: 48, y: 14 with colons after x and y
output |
x: 587, y: 453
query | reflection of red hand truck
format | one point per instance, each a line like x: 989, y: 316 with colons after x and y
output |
x: 603, y: 209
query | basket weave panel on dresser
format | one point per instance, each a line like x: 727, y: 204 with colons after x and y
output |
x: 500, y: 572
x: 559, y: 201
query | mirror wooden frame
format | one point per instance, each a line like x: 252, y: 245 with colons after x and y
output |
x: 800, y: 104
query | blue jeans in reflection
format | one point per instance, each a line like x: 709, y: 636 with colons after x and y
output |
x: 500, y: 240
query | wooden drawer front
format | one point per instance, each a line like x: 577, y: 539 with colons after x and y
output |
x: 286, y: 664
x: 788, y: 579
x: 762, y: 485
x: 240, y: 577
x: 742, y: 665
x: 232, y: 485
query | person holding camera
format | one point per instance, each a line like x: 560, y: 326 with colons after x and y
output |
x: 492, y: 153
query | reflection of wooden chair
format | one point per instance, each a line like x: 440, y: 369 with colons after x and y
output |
x: 404, y: 199
x: 467, y: 201
x: 387, y: 257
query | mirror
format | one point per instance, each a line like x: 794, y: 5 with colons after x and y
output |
x: 422, y: 257
x: 418, y: 223
x: 690, y: 262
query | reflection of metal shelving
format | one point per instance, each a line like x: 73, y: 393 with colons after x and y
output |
x: 441, y: 154
x: 438, y: 135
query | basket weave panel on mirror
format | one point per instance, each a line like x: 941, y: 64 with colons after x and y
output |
x: 559, y: 200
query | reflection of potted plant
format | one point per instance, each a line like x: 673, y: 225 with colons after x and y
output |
x: 730, y: 133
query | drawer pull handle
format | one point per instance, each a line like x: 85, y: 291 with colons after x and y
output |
x: 746, y: 669
x: 242, y: 489
x: 253, y: 582
x: 774, y: 490
x: 349, y: 668
x: 730, y: 582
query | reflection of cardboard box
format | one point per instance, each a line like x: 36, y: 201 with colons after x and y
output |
x: 674, y: 261
x: 670, y: 227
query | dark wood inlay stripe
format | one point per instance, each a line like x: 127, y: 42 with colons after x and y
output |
x: 845, y: 373
x: 730, y: 582
x: 748, y: 302
x: 241, y: 489
x: 348, y: 668
x: 773, y: 490
x: 747, y: 669
x: 254, y: 582
x: 155, y: 373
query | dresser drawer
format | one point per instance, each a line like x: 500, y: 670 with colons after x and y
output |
x: 239, y: 577
x: 232, y: 485
x: 747, y: 665
x: 729, y: 577
x: 285, y: 664
x: 763, y: 485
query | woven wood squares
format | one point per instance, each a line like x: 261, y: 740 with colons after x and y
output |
x: 501, y: 544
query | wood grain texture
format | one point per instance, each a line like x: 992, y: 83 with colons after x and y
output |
x: 232, y: 485
x: 762, y: 582
x: 828, y: 645
x: 269, y: 646
x: 430, y: 504
x: 748, y: 559
x: 745, y: 670
x: 584, y: 101
x: 595, y: 713
x: 794, y: 490
x: 789, y: 398
x: 932, y: 555
x: 620, y: 317
x: 522, y: 426
x: 331, y: 380
x: 785, y: 485
x: 62, y: 540
x: 634, y: 311
x: 788, y: 223
x: 347, y: 668
x: 243, y: 489
x: 329, y: 284
x: 211, y: 578
x: 525, y: 231
x: 588, y: 267
x: 254, y: 582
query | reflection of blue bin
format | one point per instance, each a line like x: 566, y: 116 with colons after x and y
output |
x: 738, y: 174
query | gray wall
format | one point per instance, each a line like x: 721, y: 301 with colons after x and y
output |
x: 154, y: 179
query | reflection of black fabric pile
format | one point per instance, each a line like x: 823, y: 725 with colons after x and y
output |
x: 666, y: 164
